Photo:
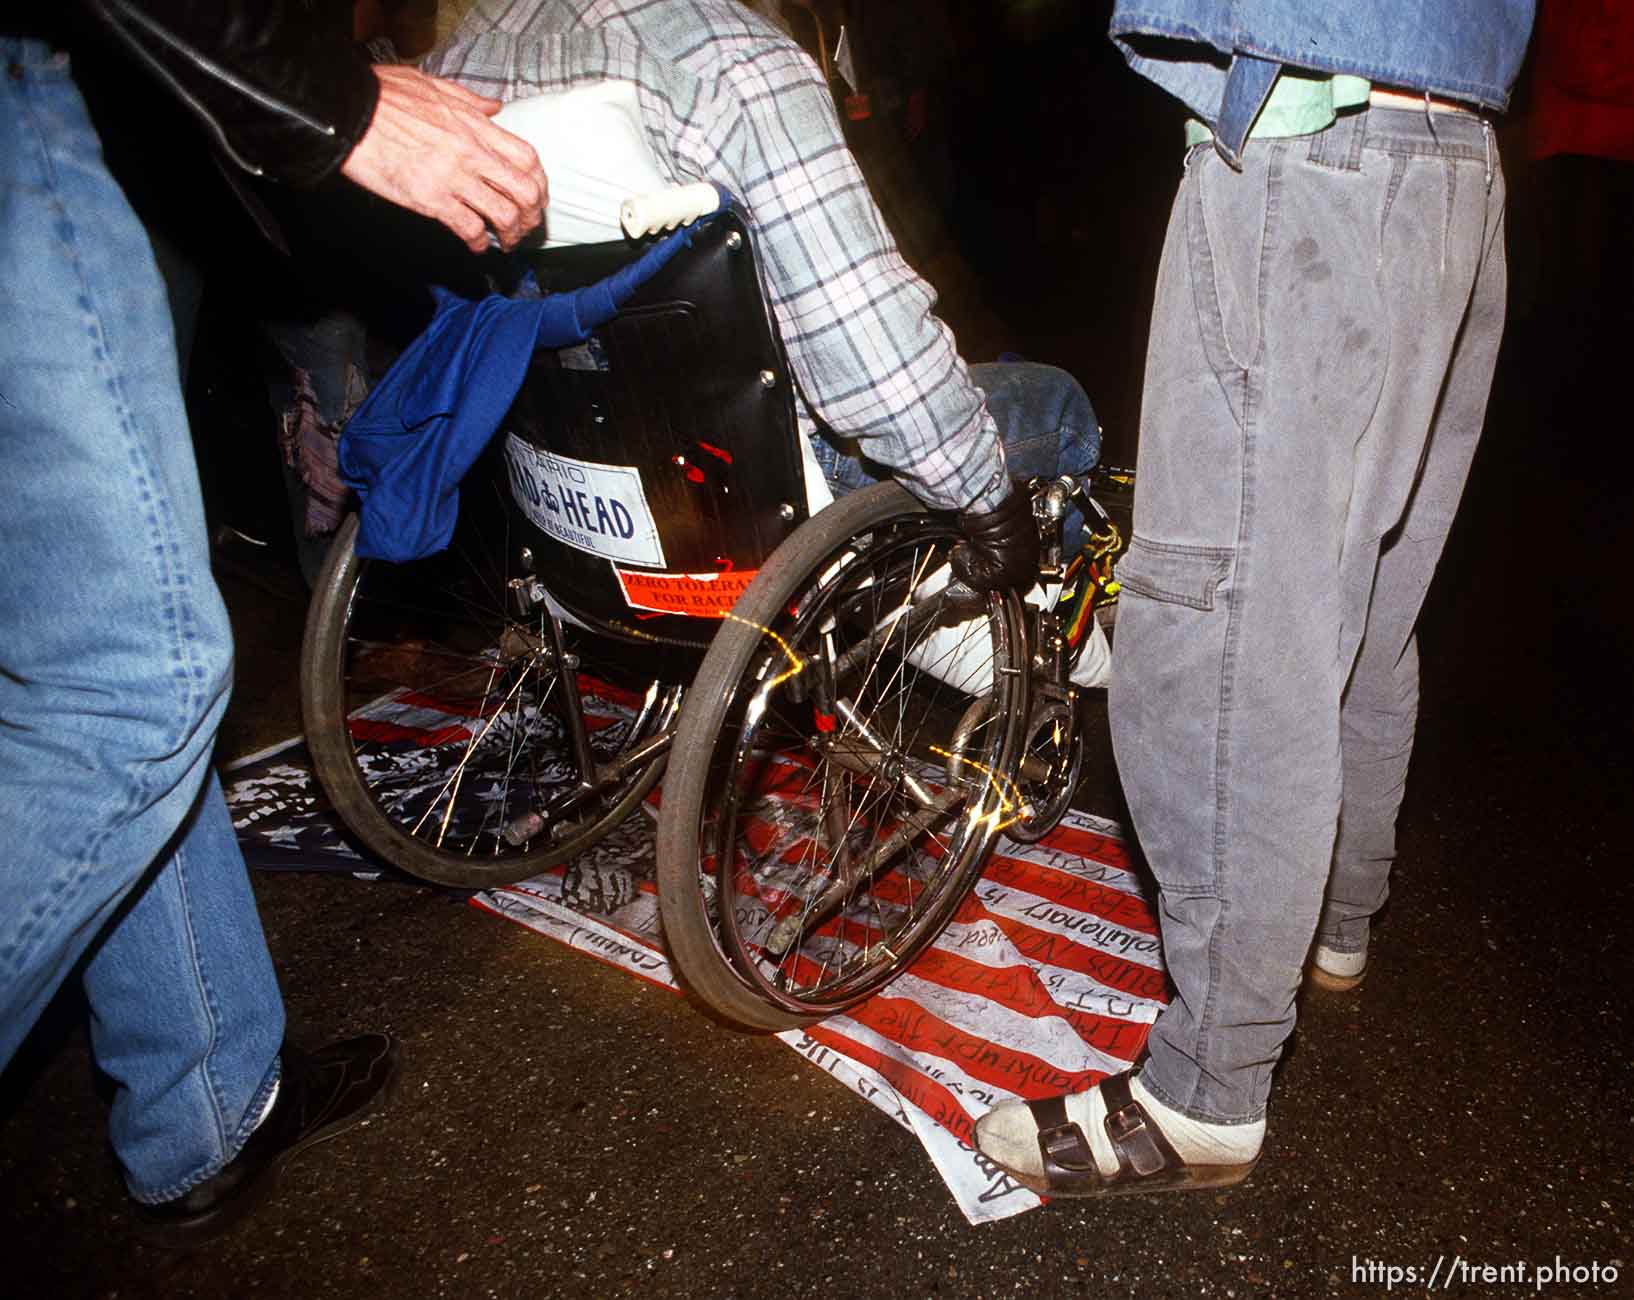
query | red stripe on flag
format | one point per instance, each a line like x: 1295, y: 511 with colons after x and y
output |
x: 1080, y: 843
x: 378, y: 731
x: 1072, y: 891
x: 907, y: 1023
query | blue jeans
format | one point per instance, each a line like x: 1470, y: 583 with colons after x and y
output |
x: 1045, y: 422
x: 1323, y: 342
x: 115, y: 667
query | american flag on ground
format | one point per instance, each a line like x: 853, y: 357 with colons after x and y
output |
x: 1048, y: 978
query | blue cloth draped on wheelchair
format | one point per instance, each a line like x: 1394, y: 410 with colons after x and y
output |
x: 422, y: 427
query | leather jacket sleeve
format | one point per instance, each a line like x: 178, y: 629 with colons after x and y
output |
x: 279, y: 83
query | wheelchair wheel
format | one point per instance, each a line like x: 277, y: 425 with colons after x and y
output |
x: 850, y: 751
x: 435, y: 715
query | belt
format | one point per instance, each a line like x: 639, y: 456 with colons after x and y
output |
x: 1382, y: 97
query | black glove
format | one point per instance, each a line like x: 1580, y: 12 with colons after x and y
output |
x: 1000, y: 547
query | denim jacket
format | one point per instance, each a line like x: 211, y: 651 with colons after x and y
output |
x: 1220, y: 57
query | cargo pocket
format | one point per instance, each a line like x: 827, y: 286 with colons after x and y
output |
x: 1174, y: 575
x: 1166, y: 702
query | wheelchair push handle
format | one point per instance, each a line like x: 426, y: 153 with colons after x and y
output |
x: 651, y: 214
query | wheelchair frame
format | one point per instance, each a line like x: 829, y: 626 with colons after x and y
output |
x: 892, y: 722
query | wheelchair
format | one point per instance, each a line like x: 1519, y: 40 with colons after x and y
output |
x: 637, y: 588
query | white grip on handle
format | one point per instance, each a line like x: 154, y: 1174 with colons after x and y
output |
x: 648, y: 214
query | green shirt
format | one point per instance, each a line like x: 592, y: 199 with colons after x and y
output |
x: 1299, y: 104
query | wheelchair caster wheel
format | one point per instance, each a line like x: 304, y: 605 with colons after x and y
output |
x: 1051, y: 764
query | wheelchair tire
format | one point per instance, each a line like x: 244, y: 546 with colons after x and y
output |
x: 433, y: 789
x: 849, y: 758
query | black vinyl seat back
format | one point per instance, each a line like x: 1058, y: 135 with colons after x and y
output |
x: 655, y: 467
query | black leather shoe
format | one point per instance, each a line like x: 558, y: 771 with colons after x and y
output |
x: 321, y: 1093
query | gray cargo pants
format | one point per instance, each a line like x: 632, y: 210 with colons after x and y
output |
x: 1322, y: 347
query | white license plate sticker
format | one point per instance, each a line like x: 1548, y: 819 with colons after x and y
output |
x: 596, y: 508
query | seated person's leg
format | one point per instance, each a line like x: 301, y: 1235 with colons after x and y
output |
x: 1044, y: 418
x: 1049, y: 429
x: 327, y: 379
x: 1047, y: 424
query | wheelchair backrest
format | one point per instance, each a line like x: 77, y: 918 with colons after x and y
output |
x: 654, y: 467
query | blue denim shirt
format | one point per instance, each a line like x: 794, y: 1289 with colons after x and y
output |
x: 1220, y: 57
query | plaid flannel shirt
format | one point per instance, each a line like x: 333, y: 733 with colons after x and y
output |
x: 726, y: 97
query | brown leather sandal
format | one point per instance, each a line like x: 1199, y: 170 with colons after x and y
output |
x: 1146, y: 1161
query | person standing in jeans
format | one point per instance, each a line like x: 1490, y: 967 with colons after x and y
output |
x: 1329, y: 306
x: 120, y: 866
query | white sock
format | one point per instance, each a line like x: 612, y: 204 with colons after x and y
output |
x: 1346, y: 965
x: 1196, y: 1142
x: 1009, y: 1135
